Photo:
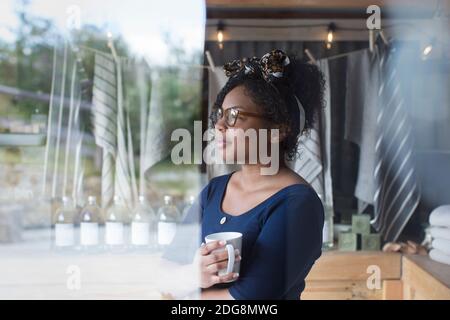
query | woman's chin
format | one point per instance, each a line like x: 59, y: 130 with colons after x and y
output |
x: 227, y: 155
x: 227, y: 158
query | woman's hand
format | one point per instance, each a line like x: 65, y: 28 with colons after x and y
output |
x: 211, y: 262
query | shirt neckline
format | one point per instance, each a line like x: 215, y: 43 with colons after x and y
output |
x: 276, y: 194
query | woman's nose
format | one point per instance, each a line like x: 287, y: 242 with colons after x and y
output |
x: 221, y: 124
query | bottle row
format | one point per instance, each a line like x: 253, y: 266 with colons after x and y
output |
x: 119, y: 226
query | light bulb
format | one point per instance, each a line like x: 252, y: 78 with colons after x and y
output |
x: 220, y: 36
x: 330, y: 36
x: 427, y: 50
x: 220, y: 28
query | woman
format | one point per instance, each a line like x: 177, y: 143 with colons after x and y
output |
x: 279, y: 215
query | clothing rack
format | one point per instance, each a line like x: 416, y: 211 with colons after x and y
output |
x: 212, y: 64
x: 342, y: 55
x: 372, y: 40
x: 126, y: 59
x: 130, y: 59
x: 308, y: 53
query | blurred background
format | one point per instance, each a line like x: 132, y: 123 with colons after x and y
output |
x: 90, y: 93
x: 418, y: 31
x: 48, y: 147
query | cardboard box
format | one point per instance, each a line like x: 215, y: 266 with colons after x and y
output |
x: 361, y: 223
x: 370, y: 242
x: 347, y: 241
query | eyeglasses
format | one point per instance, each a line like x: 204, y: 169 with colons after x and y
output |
x: 231, y: 115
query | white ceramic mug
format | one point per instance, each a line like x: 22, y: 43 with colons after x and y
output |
x: 233, y: 241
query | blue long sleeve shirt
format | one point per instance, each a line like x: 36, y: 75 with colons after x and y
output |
x: 282, y: 238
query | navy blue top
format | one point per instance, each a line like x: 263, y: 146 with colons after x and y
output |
x: 282, y: 238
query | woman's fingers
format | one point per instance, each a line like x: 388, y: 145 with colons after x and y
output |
x: 228, y: 277
x: 215, y: 257
x: 210, y: 246
x: 218, y: 256
x: 216, y: 266
x: 225, y: 278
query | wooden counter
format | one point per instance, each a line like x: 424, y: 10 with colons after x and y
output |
x: 31, y: 270
x: 343, y: 275
x: 424, y: 278
x: 369, y: 275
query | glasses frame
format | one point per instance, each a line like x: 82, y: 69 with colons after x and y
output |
x: 238, y: 112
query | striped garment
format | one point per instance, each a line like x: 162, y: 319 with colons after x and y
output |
x: 124, y: 154
x: 309, y: 163
x: 155, y: 138
x: 112, y: 130
x: 104, y: 110
x: 314, y: 163
x: 397, y: 192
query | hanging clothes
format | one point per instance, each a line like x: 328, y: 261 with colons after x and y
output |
x: 154, y: 135
x: 63, y: 172
x: 112, y: 130
x: 216, y: 81
x: 397, y: 193
x: 308, y: 163
x: 378, y: 121
x: 325, y: 136
x: 360, y: 113
x: 314, y: 160
x: 104, y: 110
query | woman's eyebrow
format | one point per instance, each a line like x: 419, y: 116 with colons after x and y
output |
x: 237, y: 107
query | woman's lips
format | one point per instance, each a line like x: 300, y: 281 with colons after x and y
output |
x: 222, y: 143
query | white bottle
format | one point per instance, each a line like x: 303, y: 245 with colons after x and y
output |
x: 89, y: 224
x: 327, y: 232
x: 168, y: 217
x: 188, y: 206
x: 64, y: 224
x: 114, y: 224
x: 141, y: 221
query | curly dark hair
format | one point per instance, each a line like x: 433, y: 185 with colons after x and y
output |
x: 276, y: 98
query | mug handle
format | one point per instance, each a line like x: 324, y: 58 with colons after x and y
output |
x: 230, y: 265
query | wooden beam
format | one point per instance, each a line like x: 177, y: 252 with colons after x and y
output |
x: 282, y: 13
x: 317, y: 9
x: 315, y: 3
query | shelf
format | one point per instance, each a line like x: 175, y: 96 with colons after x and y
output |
x: 22, y: 139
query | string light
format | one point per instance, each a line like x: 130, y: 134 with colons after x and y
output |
x: 434, y: 25
x: 220, y: 29
x: 428, y: 49
x: 330, y: 35
x: 331, y: 30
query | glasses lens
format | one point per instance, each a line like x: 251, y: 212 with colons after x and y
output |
x: 217, y: 115
x: 232, y: 115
